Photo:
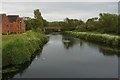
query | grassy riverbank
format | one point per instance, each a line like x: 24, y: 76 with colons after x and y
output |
x: 108, y: 39
x: 18, y: 49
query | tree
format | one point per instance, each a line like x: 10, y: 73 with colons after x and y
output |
x: 109, y: 22
x: 91, y: 24
x: 71, y: 24
x: 37, y: 14
x: 38, y: 19
x: 45, y: 23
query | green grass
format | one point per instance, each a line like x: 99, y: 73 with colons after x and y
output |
x: 108, y: 39
x: 17, y: 49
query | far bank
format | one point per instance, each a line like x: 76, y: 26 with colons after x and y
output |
x: 106, y: 39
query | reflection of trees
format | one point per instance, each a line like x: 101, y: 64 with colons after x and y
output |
x: 21, y: 68
x: 109, y: 51
x: 68, y: 42
x: 105, y: 50
x: 81, y: 42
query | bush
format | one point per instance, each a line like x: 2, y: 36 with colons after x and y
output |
x: 112, y: 40
x: 17, y: 49
x: 4, y: 33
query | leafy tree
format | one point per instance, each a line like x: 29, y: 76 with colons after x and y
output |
x: 91, y: 24
x: 36, y: 23
x: 71, y: 24
x: 108, y: 22
x: 45, y: 23
x: 37, y: 14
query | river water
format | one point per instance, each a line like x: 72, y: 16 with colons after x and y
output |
x: 68, y: 57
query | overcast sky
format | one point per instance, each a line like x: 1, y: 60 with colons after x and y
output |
x: 57, y: 11
x: 60, y: 0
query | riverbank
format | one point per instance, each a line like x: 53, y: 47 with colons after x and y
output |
x: 18, y: 49
x: 107, y: 39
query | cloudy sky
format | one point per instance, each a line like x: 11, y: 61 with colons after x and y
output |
x: 60, y: 0
x: 57, y: 11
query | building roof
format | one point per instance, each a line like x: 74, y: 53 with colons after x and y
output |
x: 1, y: 17
x: 12, y: 18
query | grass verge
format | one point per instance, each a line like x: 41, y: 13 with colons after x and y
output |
x: 108, y: 39
x: 18, y: 49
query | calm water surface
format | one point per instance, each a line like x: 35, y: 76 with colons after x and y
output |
x: 67, y: 57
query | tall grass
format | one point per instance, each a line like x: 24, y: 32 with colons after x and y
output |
x: 108, y: 39
x: 17, y: 49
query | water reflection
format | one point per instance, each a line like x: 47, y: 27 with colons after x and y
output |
x: 21, y: 68
x: 69, y: 42
x: 68, y: 57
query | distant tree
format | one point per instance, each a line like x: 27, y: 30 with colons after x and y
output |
x: 109, y: 22
x: 54, y: 24
x: 71, y: 24
x: 36, y: 23
x: 91, y: 24
x: 45, y: 23
x: 118, y: 31
x: 28, y: 23
x: 37, y: 14
x: 38, y: 20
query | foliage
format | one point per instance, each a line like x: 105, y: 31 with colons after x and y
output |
x: 17, y: 49
x: 106, y: 23
x: 71, y: 24
x: 37, y: 23
x: 53, y: 24
x: 37, y: 14
x: 111, y: 40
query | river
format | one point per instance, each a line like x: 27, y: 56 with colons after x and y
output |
x: 68, y: 57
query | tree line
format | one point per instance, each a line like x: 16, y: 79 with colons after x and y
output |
x: 106, y: 23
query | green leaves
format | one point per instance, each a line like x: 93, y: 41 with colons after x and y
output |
x: 19, y: 48
x: 111, y: 40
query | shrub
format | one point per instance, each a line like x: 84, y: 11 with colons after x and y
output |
x: 17, y: 49
x: 112, y: 40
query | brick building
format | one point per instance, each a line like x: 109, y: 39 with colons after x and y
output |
x: 11, y: 24
x: 4, y: 24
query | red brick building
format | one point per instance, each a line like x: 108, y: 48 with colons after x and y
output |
x: 11, y: 24
x: 4, y: 24
x: 14, y: 23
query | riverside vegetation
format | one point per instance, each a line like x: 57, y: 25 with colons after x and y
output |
x: 105, y: 29
x: 17, y: 49
x: 108, y: 39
